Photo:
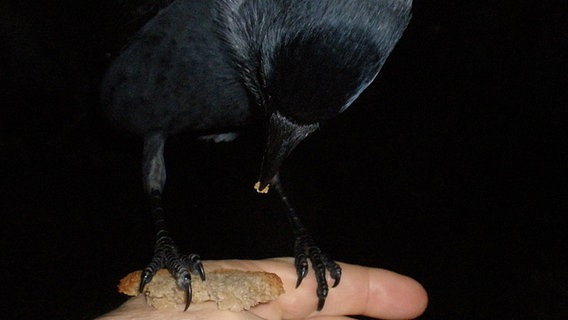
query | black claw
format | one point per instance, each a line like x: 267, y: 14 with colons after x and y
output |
x: 145, y: 279
x: 333, y: 268
x: 195, y: 266
x: 321, y: 303
x: 188, y: 296
x: 201, y: 271
x: 184, y: 282
x: 336, y: 282
x: 299, y: 281
x: 301, y: 268
x: 322, y: 294
x: 150, y: 270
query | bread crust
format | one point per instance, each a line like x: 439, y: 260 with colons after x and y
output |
x: 233, y: 290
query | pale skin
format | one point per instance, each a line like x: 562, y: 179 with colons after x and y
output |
x: 371, y: 292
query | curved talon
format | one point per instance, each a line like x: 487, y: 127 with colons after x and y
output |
x: 184, y: 282
x: 333, y: 268
x: 321, y: 303
x: 201, y: 271
x: 301, y: 268
x: 336, y: 282
x: 335, y: 273
x: 299, y: 281
x: 145, y: 278
x: 188, y: 296
x: 322, y: 294
x: 195, y: 265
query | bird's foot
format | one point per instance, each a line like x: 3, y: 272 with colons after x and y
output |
x: 180, y: 266
x: 306, y: 249
x: 166, y: 254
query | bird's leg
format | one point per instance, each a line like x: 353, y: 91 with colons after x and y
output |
x: 306, y: 249
x: 166, y: 253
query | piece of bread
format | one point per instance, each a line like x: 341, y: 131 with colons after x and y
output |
x: 233, y: 290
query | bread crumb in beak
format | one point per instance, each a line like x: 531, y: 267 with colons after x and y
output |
x: 257, y: 187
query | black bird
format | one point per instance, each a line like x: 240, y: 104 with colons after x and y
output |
x: 208, y: 65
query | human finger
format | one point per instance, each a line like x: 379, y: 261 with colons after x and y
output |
x: 363, y: 291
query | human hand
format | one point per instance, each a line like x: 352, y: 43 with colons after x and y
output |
x: 365, y: 291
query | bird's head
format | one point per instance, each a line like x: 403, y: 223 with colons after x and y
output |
x: 305, y: 62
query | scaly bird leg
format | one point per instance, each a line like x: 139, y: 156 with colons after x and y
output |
x: 166, y: 253
x: 306, y: 249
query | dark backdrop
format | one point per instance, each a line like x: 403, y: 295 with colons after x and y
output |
x: 450, y: 168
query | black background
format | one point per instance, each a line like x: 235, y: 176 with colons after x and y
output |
x: 450, y: 168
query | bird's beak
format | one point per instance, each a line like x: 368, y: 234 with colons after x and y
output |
x: 283, y: 136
